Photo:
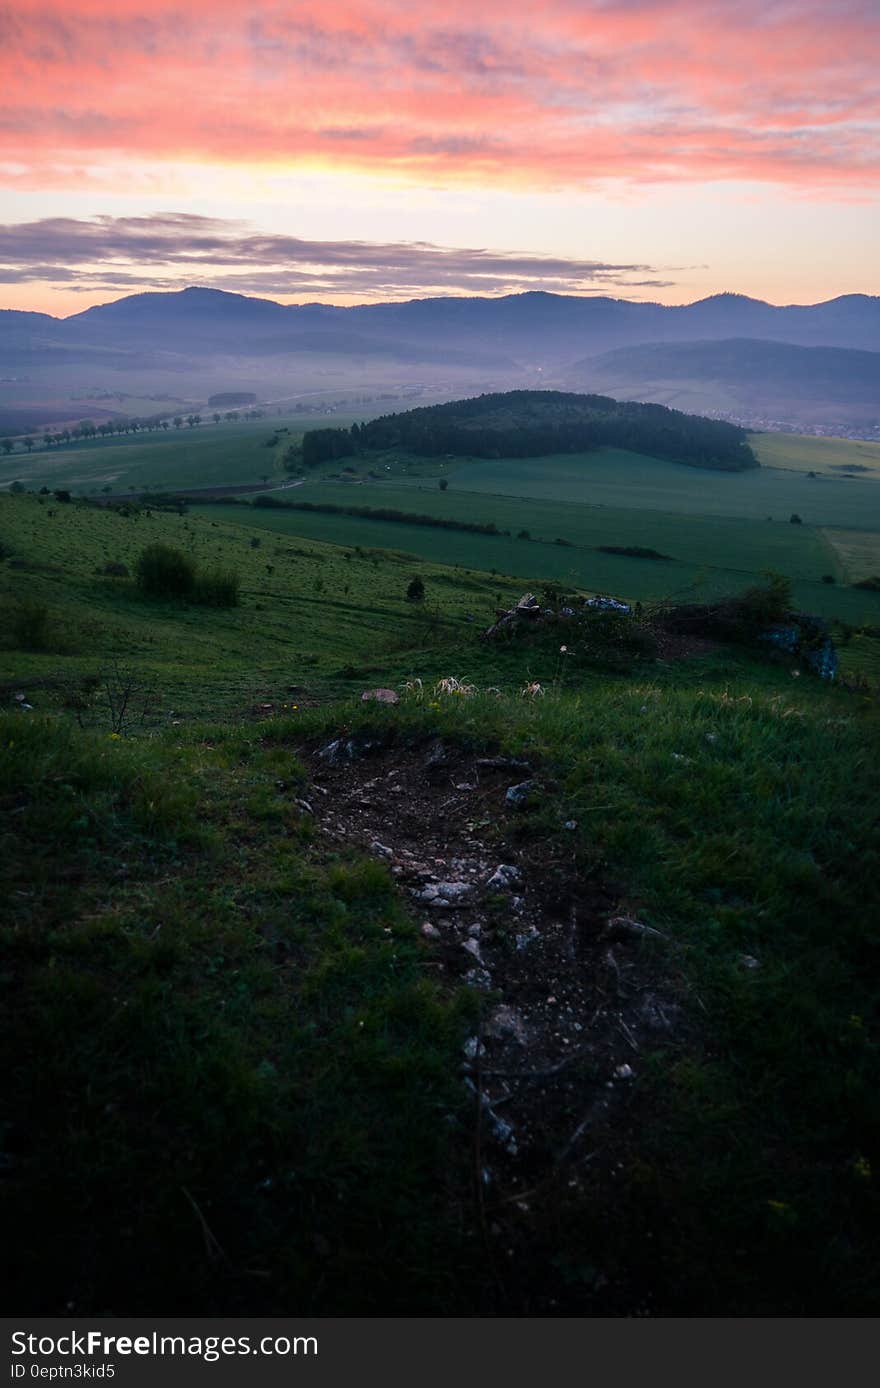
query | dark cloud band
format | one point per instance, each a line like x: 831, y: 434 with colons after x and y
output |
x: 169, y: 249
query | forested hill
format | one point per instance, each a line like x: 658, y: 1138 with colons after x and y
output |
x: 530, y: 423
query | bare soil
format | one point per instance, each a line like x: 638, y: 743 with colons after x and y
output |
x: 577, y: 997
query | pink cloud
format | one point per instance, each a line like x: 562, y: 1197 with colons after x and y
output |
x: 571, y: 92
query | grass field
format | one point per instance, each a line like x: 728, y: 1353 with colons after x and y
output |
x: 857, y: 550
x: 615, y: 478
x: 827, y: 456
x: 716, y: 541
x: 637, y: 579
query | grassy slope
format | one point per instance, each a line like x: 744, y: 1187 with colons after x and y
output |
x: 228, y: 1030
x: 315, y: 615
x: 794, y: 548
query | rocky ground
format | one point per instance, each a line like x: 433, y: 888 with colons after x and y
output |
x: 578, y: 991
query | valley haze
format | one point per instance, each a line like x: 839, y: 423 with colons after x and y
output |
x: 809, y: 368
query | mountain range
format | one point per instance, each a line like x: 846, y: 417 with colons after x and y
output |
x: 555, y: 326
x: 727, y: 353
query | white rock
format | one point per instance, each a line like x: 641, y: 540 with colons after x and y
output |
x: 505, y: 878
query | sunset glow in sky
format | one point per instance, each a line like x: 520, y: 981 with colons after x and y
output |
x: 376, y: 149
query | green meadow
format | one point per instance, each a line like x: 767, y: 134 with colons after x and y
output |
x: 612, y: 477
x: 709, y: 556
x: 828, y: 456
x: 310, y: 612
x: 207, y: 455
x: 235, y: 1081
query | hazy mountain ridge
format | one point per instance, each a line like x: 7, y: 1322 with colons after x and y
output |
x: 568, y: 326
x: 693, y: 356
x: 755, y: 374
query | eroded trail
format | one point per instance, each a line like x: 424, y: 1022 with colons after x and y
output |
x: 578, y: 995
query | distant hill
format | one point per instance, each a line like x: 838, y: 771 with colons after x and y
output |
x: 528, y: 327
x: 450, y: 345
x: 742, y: 373
x: 532, y: 423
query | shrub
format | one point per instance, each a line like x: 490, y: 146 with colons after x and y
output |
x: 872, y: 584
x: 828, y: 578
x: 217, y: 588
x: 29, y: 625
x: 443, y: 484
x: 766, y: 603
x: 634, y: 551
x: 794, y: 519
x: 113, y: 569
x: 165, y: 572
x: 415, y: 590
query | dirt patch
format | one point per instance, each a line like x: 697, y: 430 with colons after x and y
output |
x: 671, y: 645
x: 577, y: 992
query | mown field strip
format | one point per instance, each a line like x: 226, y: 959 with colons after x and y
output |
x: 803, y: 453
x: 858, y: 552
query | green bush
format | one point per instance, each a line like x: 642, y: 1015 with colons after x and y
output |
x: 764, y: 604
x: 165, y: 572
x: 217, y: 588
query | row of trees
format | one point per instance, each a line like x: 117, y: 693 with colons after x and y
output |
x: 87, y: 429
x: 382, y: 513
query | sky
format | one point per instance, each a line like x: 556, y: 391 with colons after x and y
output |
x: 391, y: 149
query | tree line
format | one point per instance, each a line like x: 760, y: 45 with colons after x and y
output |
x: 527, y: 424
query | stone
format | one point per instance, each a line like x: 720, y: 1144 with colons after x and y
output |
x: 381, y: 849
x: 429, y: 931
x: 380, y: 696
x: 502, y: 764
x: 445, y: 894
x: 505, y: 878
x: 479, y: 978
x: 518, y: 795
x: 505, y: 1021
x: 607, y: 605
x: 344, y: 749
x: 619, y: 927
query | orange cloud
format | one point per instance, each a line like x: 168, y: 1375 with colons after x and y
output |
x: 566, y: 93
